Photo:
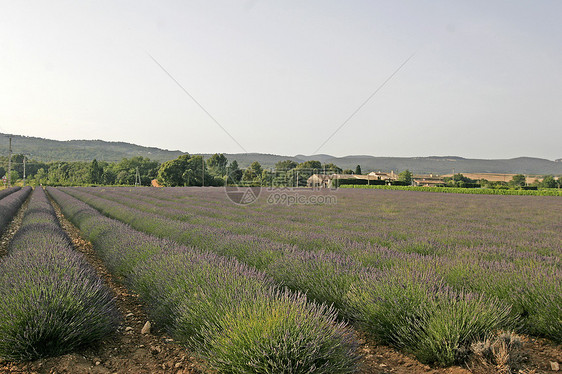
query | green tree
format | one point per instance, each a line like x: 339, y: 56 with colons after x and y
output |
x: 548, y: 182
x: 484, y: 183
x: 15, y: 176
x: 96, y: 172
x: 234, y: 173
x: 298, y: 176
x: 253, y: 173
x: 41, y: 176
x: 518, y: 180
x: 358, y: 170
x: 267, y: 177
x: 405, y: 176
x: 58, y: 174
x: 126, y: 170
x: 217, y: 165
x: 458, y: 180
x: 108, y: 176
x: 17, y: 164
x: 310, y: 165
x: 195, y: 173
x: 331, y: 169
x: 171, y: 173
x: 79, y: 173
x: 123, y: 177
x: 347, y: 171
x: 285, y: 165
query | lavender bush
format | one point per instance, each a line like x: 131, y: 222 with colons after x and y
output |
x: 193, y: 295
x: 279, y: 332
x: 51, y: 300
x: 417, y: 312
x: 287, y: 244
x: 7, y: 191
x: 10, y: 204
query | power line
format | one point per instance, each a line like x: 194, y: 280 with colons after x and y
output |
x: 364, y: 103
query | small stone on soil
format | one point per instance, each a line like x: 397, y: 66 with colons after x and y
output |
x: 146, y: 328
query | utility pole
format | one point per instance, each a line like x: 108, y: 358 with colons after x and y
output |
x: 24, y: 157
x: 137, y: 178
x: 10, y: 164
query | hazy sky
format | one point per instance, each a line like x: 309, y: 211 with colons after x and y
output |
x: 281, y: 76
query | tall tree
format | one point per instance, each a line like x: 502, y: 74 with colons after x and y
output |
x: 332, y: 169
x: 358, y: 170
x: 234, y: 173
x: 310, y: 165
x: 217, y: 165
x: 518, y: 180
x: 405, y: 176
x: 548, y: 182
x: 171, y: 173
x: 96, y: 172
x: 126, y: 169
x: 253, y: 172
x: 285, y: 165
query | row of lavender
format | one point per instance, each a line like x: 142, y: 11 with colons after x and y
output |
x: 405, y: 300
x: 51, y: 299
x: 234, y: 316
x: 405, y: 221
x: 7, y: 191
x: 528, y: 281
x: 10, y: 203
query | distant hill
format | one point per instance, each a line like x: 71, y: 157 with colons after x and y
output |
x: 86, y: 150
x: 81, y: 150
x: 446, y: 164
x: 417, y: 165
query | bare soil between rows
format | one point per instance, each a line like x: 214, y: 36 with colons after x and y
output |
x: 130, y: 351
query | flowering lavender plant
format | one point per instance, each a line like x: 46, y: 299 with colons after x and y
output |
x: 51, y: 300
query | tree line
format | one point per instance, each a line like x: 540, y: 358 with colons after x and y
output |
x: 194, y: 170
x: 186, y: 170
x: 79, y: 173
x: 189, y: 170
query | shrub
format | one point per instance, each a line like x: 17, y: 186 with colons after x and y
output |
x: 279, y: 333
x: 53, y: 307
x: 7, y: 191
x: 323, y: 276
x: 416, y: 311
x: 51, y: 300
x: 10, y: 204
x: 214, y: 304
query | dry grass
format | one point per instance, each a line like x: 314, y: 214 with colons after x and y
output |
x: 501, y: 354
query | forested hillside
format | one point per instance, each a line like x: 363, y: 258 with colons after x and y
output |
x: 47, y: 150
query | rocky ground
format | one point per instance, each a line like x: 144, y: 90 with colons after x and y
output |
x: 135, y: 348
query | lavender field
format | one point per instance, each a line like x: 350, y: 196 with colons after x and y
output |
x: 429, y: 274
x: 51, y: 300
x: 232, y: 315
